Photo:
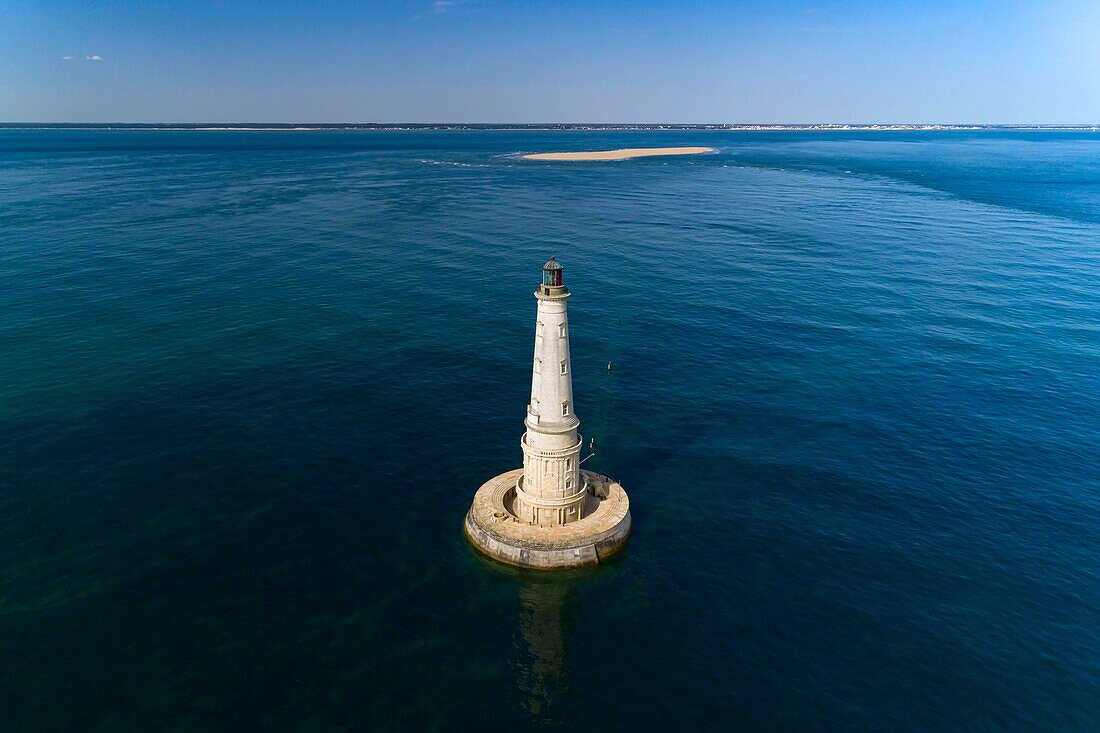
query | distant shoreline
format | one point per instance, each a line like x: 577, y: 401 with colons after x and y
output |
x: 427, y: 127
x: 618, y: 154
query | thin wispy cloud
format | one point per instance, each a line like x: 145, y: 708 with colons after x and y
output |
x: 440, y: 7
x: 66, y: 58
x: 93, y: 57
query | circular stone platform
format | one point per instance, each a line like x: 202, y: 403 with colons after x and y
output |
x: 494, y: 530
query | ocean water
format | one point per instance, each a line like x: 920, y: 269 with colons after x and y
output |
x: 249, y: 382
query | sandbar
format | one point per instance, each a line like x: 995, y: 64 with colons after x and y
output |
x: 620, y: 154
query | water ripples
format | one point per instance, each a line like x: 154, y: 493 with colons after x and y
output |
x: 251, y: 381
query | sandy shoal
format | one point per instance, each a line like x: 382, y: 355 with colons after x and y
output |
x: 620, y: 154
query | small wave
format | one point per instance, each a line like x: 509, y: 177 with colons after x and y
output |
x: 453, y: 163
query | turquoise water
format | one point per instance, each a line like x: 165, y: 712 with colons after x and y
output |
x: 249, y: 382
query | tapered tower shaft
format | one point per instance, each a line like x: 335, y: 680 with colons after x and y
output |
x: 551, y: 491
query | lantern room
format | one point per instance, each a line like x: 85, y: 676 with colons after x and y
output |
x: 551, y: 273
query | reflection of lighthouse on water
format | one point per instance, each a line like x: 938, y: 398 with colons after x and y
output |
x: 538, y: 649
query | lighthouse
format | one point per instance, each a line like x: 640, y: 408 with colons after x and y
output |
x: 551, y: 490
x: 550, y: 513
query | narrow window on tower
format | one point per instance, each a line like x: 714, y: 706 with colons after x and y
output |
x: 538, y: 366
x: 538, y: 328
x: 563, y: 367
x: 561, y: 330
x: 565, y: 409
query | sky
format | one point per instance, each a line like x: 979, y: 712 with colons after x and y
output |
x: 529, y: 61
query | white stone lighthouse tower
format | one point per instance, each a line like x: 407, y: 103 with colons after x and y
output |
x: 550, y: 513
x: 551, y: 490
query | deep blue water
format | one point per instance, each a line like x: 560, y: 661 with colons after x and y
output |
x: 249, y: 382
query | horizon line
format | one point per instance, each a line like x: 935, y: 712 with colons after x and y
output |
x: 553, y: 125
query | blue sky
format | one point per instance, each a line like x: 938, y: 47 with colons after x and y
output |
x: 532, y: 61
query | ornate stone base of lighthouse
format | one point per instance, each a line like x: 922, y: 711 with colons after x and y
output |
x: 602, y: 531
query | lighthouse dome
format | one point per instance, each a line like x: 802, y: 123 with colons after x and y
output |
x: 553, y: 264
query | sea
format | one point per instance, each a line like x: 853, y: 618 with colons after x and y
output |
x: 251, y: 379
